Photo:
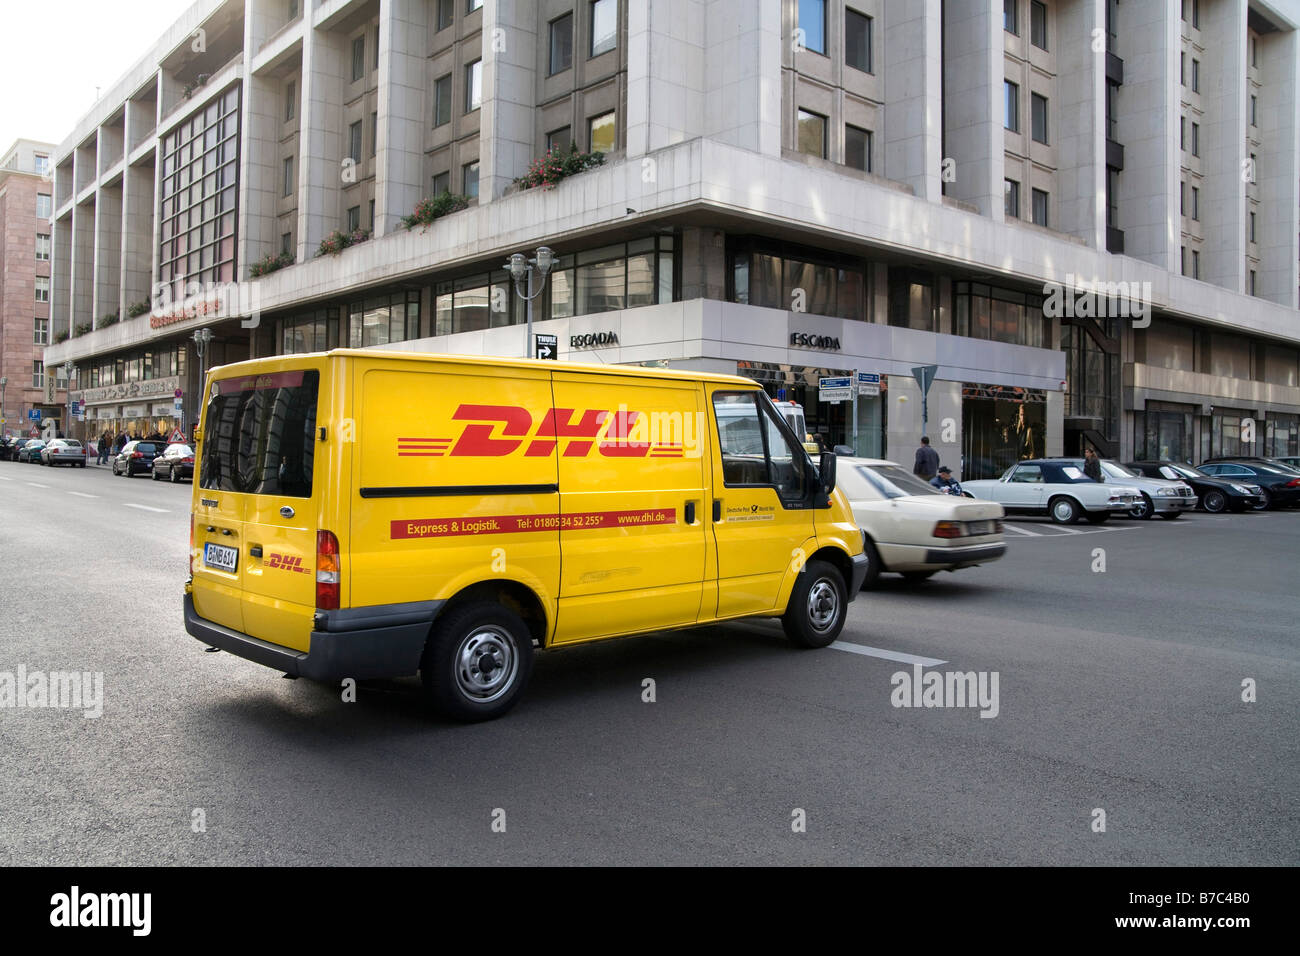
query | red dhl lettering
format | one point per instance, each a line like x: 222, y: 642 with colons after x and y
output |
x: 285, y: 562
x: 495, y: 431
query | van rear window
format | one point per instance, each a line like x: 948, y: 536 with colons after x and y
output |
x: 259, y: 435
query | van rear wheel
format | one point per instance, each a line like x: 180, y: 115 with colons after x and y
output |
x: 477, y: 661
x: 815, y: 614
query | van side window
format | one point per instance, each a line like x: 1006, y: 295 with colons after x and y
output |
x: 755, y: 450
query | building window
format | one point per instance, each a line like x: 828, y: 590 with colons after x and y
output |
x: 604, y: 26
x: 1182, y: 199
x: 1182, y: 133
x: 44, y: 206
x: 1182, y: 69
x: 374, y: 133
x: 1182, y: 260
x: 1039, y: 199
x: 1252, y: 226
x: 1252, y: 281
x: 559, y: 140
x: 1009, y: 17
x: 42, y: 164
x: 1196, y: 14
x: 812, y: 133
x: 41, y: 336
x: 1254, y: 51
x: 1196, y: 204
x: 42, y: 247
x: 358, y: 58
x: 354, y: 141
x: 288, y: 176
x: 1112, y: 198
x: 470, y: 176
x: 857, y: 40
x: 354, y: 218
x: 473, y: 86
x: 1038, y: 24
x: 441, y: 184
x: 1196, y: 75
x: 1196, y: 264
x: 1002, y: 315
x: 1011, y: 119
x: 601, y: 132
x: 1196, y: 139
x: 1254, y: 168
x: 1038, y: 117
x: 857, y: 148
x: 293, y: 9
x: 474, y: 5
x: 374, y: 61
x: 1254, y: 110
x: 286, y: 243
x: 812, y: 23
x: 1011, y: 198
x: 38, y: 374
x: 445, y: 12
x: 290, y: 100
x: 42, y: 288
x: 442, y: 101
x: 372, y: 215
x: 561, y: 38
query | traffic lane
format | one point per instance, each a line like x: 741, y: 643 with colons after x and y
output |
x: 45, y: 498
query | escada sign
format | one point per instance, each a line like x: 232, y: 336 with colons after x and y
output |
x: 593, y: 340
x: 805, y: 340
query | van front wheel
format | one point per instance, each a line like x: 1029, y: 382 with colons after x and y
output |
x: 815, y: 614
x: 477, y: 662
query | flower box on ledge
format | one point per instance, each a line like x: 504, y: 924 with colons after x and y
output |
x: 268, y: 264
x: 429, y: 210
x: 557, y: 165
x: 337, y: 241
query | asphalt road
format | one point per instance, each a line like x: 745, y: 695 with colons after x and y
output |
x: 1118, y: 691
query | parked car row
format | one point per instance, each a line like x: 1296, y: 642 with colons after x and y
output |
x: 163, y: 461
x: 914, y: 529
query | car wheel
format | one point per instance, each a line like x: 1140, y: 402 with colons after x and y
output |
x: 918, y: 576
x: 1063, y: 510
x: 154, y: 476
x: 175, y: 480
x: 1144, y: 510
x: 874, y: 566
x: 1171, y: 515
x: 815, y: 614
x: 1265, y: 500
x: 1214, y: 502
x: 477, y: 661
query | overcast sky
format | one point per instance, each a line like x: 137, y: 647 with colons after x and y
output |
x: 53, y: 53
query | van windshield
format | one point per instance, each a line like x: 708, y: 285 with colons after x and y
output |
x: 259, y: 434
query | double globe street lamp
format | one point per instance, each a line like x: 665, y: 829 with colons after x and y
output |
x: 523, y: 269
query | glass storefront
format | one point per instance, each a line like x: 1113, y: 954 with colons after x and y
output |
x: 832, y: 420
x: 1000, y: 426
x: 782, y: 276
x: 1282, y: 435
x: 1163, y: 432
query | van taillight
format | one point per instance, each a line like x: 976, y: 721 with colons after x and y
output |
x: 327, y: 571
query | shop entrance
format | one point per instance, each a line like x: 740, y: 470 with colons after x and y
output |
x: 1000, y: 426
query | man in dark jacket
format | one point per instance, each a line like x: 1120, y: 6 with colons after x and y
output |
x: 945, y: 482
x: 1092, y: 465
x: 927, y: 460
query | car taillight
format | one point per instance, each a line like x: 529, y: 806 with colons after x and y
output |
x: 327, y: 571
x: 1293, y: 483
x: 948, y: 529
x: 187, y: 461
x: 137, y: 454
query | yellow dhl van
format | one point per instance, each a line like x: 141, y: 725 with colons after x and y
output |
x: 373, y: 514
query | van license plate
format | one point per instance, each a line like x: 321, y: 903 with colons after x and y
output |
x: 220, y: 557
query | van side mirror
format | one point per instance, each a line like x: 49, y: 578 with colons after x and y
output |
x: 826, y: 470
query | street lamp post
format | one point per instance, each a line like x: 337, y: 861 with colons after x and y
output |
x: 523, y: 269
x: 69, y: 370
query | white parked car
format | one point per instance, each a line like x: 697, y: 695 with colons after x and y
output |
x: 910, y: 527
x: 1160, y: 496
x: 1056, y: 487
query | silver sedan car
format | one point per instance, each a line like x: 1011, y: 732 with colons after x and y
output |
x: 64, y: 451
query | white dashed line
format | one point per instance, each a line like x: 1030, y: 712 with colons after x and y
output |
x: 161, y: 511
x: 35, y: 485
x: 81, y: 494
x: 883, y: 654
x: 1019, y: 530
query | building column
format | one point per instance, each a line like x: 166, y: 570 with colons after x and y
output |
x: 667, y: 32
x: 1080, y: 119
x: 507, y: 132
x: 261, y: 121
x: 403, y: 116
x: 1278, y: 230
x: 973, y: 105
x: 108, y: 252
x: 914, y: 95
x: 320, y: 169
x: 1223, y: 144
x: 742, y: 76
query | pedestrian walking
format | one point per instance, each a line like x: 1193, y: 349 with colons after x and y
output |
x: 927, y: 460
x: 1092, y: 465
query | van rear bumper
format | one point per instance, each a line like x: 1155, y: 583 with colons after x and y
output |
x: 860, y: 565
x: 360, y: 643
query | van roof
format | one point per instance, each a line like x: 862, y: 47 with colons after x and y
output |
x: 251, y: 366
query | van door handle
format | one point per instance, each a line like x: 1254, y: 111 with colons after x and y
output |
x: 717, y: 509
x: 255, y: 551
x: 690, y: 512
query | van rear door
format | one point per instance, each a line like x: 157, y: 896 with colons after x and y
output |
x: 258, y: 502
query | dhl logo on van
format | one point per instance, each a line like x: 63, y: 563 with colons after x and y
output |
x: 285, y: 562
x: 495, y: 431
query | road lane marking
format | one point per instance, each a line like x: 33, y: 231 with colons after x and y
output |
x: 80, y: 494
x: 883, y: 654
x: 1064, y: 530
x: 35, y: 485
x: 1019, y: 530
x: 161, y: 511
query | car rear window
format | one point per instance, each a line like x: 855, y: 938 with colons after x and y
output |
x: 259, y: 434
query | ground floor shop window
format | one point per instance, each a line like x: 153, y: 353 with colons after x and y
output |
x: 1000, y: 426
x: 1163, y: 432
x: 1282, y: 435
x: 1222, y: 437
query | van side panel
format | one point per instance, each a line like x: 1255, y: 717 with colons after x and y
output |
x: 633, y: 510
x: 450, y: 483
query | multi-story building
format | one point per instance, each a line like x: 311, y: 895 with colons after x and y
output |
x: 795, y: 189
x: 27, y: 398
